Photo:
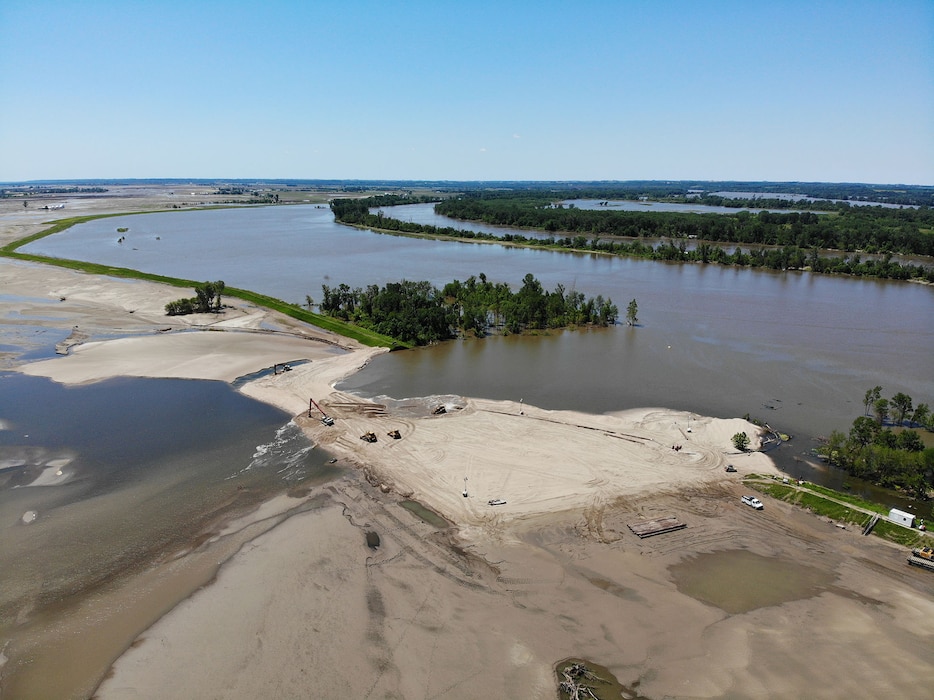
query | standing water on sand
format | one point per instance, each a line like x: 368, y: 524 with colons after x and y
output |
x: 98, y: 478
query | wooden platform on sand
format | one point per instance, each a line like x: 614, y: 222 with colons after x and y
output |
x: 647, y: 528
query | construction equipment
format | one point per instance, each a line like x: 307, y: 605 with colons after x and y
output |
x: 368, y: 437
x: 395, y: 434
x: 922, y: 557
x: 325, y: 418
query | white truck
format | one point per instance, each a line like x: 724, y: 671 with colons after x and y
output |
x: 753, y: 502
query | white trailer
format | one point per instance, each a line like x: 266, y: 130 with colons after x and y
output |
x: 901, y: 517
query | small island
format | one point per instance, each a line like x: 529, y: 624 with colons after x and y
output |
x: 420, y: 314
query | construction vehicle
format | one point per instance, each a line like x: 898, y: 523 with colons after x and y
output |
x: 368, y: 437
x: 922, y: 557
x: 325, y: 418
x: 395, y: 434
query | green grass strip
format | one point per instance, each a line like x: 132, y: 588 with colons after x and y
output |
x: 900, y: 534
x: 328, y: 323
x: 806, y: 497
x: 347, y: 330
x: 847, y: 497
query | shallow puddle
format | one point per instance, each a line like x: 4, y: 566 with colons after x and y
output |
x: 425, y: 513
x: 738, y: 580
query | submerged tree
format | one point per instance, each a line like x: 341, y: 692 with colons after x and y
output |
x: 881, y: 407
x: 902, y: 405
x: 872, y: 395
x: 417, y: 312
x: 632, y: 313
x: 893, y: 458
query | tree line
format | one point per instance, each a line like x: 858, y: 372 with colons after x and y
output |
x: 207, y: 299
x: 421, y: 314
x: 860, y: 228
x: 874, y: 451
x: 704, y: 191
x: 529, y: 212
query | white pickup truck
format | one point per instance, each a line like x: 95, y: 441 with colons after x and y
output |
x: 753, y: 502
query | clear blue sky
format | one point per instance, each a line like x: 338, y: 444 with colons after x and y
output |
x: 470, y: 90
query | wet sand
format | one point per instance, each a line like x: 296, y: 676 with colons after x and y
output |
x: 289, y: 601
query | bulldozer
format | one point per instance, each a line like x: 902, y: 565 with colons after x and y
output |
x: 368, y: 437
x: 394, y: 434
x: 922, y: 557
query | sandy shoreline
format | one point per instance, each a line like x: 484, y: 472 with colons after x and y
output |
x: 536, y: 460
x: 301, y: 606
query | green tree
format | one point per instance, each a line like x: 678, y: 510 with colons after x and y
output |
x: 881, y: 408
x: 883, y: 457
x: 864, y: 430
x: 607, y: 312
x: 632, y: 313
x: 886, y: 438
x: 835, y: 448
x: 910, y: 441
x: 872, y: 395
x: 180, y: 307
x: 921, y: 415
x: 741, y: 441
x: 902, y: 405
x: 207, y: 298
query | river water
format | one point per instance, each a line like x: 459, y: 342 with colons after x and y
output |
x: 98, y: 479
x: 793, y: 349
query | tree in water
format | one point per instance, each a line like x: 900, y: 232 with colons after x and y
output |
x: 921, y: 415
x: 902, y: 404
x: 632, y: 313
x: 881, y: 408
x: 872, y: 395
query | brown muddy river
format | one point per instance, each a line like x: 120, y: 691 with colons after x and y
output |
x: 792, y: 349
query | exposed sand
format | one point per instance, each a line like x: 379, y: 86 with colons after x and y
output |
x: 486, y: 608
x: 537, y: 461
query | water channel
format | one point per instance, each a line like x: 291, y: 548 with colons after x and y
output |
x: 794, y: 349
